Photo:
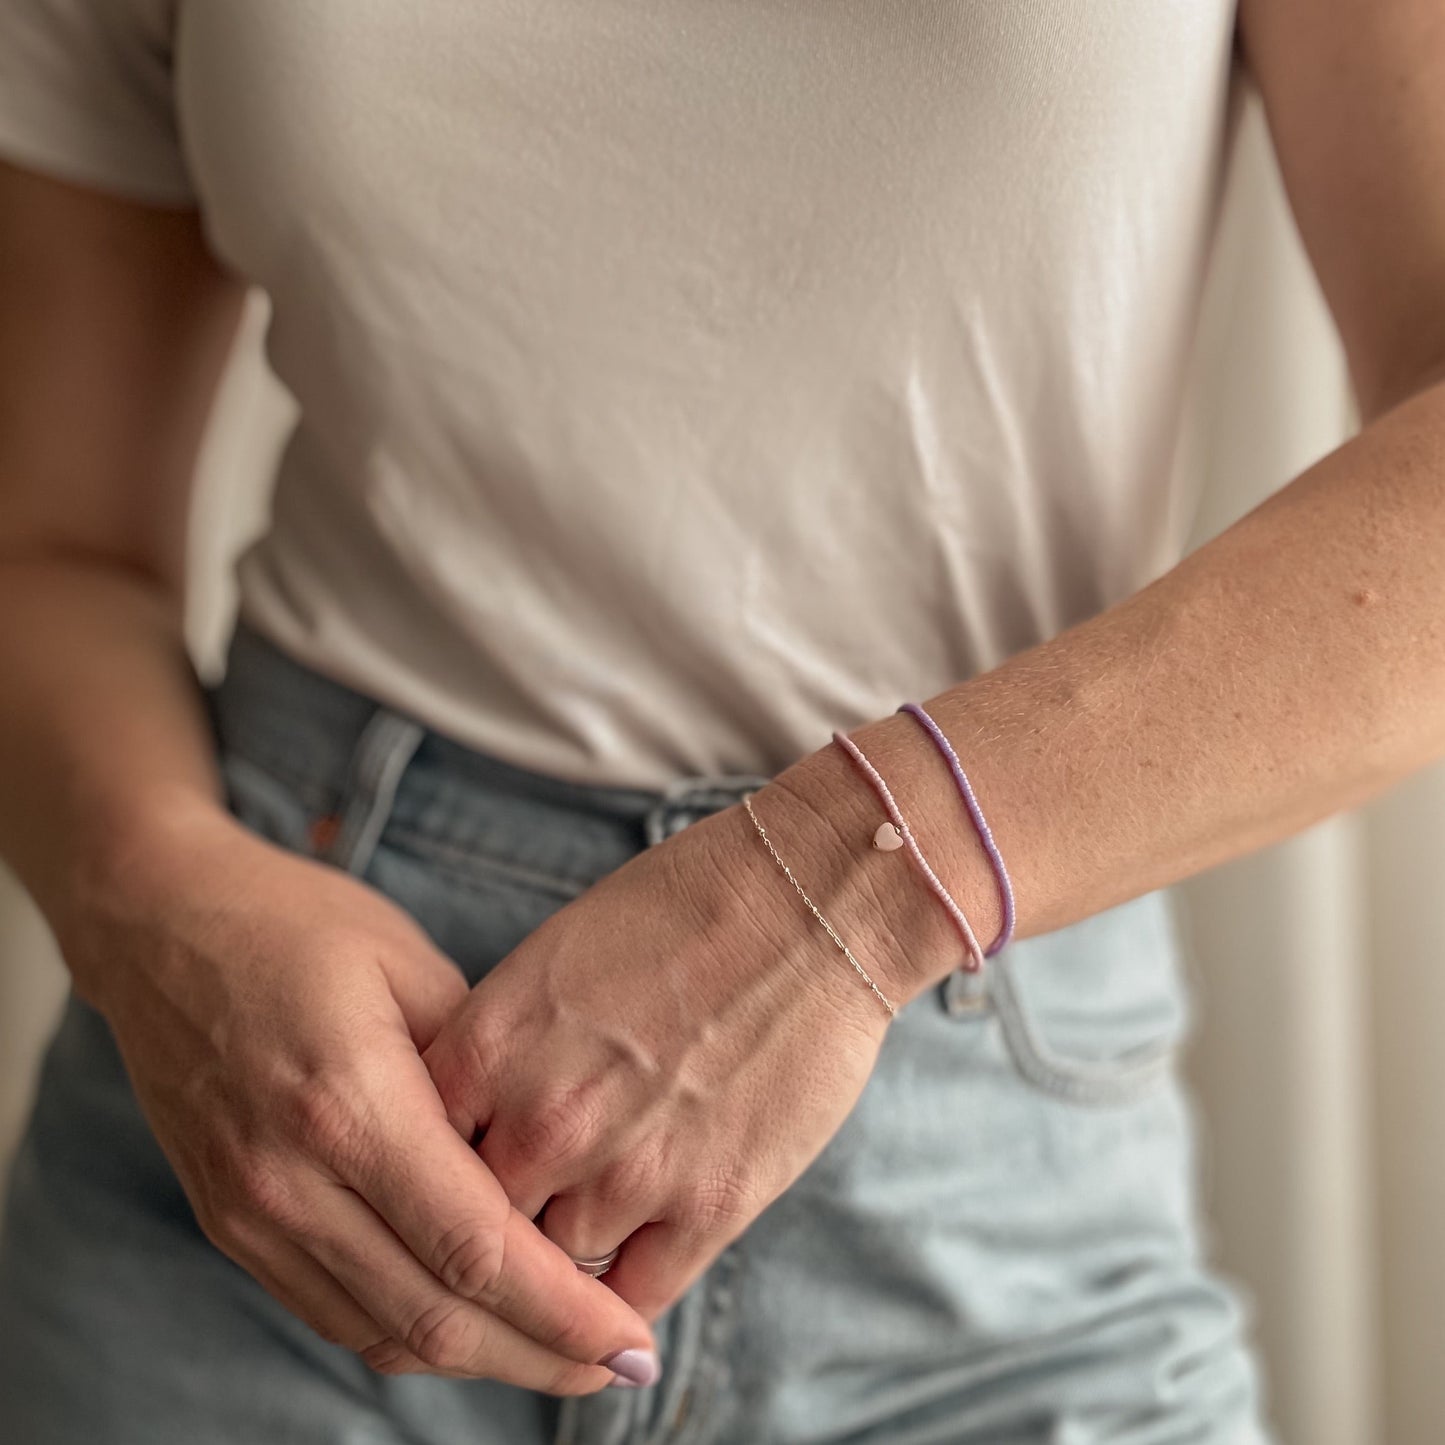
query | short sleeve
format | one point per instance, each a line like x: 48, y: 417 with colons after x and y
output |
x: 87, y: 95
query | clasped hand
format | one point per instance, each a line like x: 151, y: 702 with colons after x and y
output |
x: 661, y: 1058
x: 374, y: 1144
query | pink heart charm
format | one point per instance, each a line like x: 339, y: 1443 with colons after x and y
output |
x: 887, y: 838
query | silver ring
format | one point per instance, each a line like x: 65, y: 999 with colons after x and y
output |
x: 597, y: 1267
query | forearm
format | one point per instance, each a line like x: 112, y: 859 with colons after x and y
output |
x: 102, y: 729
x: 1290, y: 668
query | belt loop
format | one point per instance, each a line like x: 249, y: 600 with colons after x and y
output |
x: 380, y: 757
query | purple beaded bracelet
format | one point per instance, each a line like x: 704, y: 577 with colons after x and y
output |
x: 985, y: 834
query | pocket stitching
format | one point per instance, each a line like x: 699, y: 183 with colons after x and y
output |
x: 1122, y: 1080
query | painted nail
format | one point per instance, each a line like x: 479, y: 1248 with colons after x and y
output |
x: 634, y: 1367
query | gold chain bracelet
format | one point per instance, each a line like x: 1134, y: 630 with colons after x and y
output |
x: 812, y: 907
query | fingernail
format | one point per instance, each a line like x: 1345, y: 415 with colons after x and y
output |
x: 634, y: 1367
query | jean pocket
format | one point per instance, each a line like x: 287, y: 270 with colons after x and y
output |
x: 268, y: 806
x: 1094, y: 1013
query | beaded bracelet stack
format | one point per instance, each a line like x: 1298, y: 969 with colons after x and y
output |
x: 894, y: 834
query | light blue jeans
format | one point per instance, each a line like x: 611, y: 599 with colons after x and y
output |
x: 999, y: 1245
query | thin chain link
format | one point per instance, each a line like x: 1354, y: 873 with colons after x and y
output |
x: 812, y: 907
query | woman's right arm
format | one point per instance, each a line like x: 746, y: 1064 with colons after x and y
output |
x: 270, y: 1010
x: 115, y: 324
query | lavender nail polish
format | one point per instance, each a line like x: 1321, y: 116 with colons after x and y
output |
x: 634, y: 1368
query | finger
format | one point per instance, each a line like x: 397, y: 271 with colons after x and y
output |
x: 461, y: 1073
x: 428, y: 991
x: 659, y: 1263
x: 537, y: 1152
x: 445, y: 1331
x: 461, y: 1226
x: 585, y: 1227
x: 313, y: 1295
x: 525, y: 1184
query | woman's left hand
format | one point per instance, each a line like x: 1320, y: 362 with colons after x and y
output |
x: 663, y: 1056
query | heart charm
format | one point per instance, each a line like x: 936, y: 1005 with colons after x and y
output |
x: 887, y: 838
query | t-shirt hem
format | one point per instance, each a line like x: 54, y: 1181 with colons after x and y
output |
x: 91, y: 162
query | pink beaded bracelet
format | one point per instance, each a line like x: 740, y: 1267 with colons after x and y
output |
x: 904, y: 838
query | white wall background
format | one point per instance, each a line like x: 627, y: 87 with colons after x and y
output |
x: 1321, y: 995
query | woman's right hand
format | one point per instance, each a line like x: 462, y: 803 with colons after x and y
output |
x: 271, y: 1012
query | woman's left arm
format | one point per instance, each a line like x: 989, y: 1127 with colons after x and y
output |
x: 1295, y: 665
x: 666, y: 1054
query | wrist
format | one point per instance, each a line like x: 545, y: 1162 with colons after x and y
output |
x: 122, y: 872
x: 880, y: 902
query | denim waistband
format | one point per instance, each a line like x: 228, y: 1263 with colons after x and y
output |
x: 313, y: 731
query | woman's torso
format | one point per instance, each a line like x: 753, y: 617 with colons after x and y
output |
x: 680, y: 382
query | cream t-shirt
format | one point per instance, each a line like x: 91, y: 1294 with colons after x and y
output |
x: 679, y: 381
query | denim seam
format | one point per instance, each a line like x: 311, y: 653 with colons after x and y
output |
x: 568, y: 1420
x: 719, y: 1323
x: 684, y: 1350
